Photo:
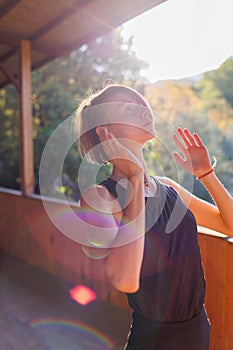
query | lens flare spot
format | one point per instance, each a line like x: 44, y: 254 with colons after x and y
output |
x: 82, y: 294
x: 95, y: 253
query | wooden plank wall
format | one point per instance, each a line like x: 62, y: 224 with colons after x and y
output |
x: 217, y: 255
x: 26, y: 232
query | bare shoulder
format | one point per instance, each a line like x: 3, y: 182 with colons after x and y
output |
x: 98, y: 198
x: 169, y: 182
x: 185, y: 195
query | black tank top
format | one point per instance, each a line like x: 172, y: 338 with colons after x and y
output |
x: 172, y: 283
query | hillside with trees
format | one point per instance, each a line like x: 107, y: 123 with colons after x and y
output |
x: 205, y: 107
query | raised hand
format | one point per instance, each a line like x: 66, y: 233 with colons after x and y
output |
x: 195, y: 156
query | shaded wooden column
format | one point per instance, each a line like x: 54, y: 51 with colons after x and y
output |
x: 26, y: 151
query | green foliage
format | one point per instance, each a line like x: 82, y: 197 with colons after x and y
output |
x: 222, y: 80
x: 58, y: 87
x: 178, y: 104
x: 215, y: 89
x: 9, y: 138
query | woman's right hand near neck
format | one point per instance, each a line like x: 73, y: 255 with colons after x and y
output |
x: 120, y: 156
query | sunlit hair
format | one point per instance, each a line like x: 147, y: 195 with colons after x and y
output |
x: 88, y: 141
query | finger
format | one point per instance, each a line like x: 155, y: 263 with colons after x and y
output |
x: 179, y: 144
x: 104, y: 134
x: 101, y: 133
x: 104, y: 138
x: 198, y: 140
x: 184, y: 137
x: 178, y: 158
x: 189, y: 137
x: 113, y: 148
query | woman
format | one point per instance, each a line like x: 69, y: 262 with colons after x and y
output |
x: 155, y: 256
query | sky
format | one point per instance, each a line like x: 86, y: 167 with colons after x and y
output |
x: 183, y: 38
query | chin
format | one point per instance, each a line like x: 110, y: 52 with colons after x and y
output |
x: 150, y: 134
x: 150, y: 138
x: 147, y: 137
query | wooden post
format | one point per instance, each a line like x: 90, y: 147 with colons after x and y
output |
x: 26, y: 151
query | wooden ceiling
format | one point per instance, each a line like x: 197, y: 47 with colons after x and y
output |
x: 56, y: 27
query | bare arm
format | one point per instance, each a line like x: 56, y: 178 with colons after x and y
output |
x: 123, y: 263
x: 195, y: 159
x: 206, y: 214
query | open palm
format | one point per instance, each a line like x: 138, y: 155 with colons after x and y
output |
x: 195, y: 157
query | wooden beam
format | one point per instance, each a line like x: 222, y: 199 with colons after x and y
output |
x: 26, y: 152
x: 78, y: 6
x: 7, y: 7
x: 9, y: 76
x: 7, y: 40
x: 14, y: 45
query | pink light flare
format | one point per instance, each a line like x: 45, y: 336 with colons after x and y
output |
x: 82, y: 294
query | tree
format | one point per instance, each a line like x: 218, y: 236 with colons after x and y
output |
x: 178, y: 104
x: 58, y: 88
x: 215, y: 89
x: 9, y: 138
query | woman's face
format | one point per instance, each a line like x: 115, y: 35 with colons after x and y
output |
x: 129, y: 119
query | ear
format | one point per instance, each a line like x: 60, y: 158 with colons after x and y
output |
x: 98, y: 130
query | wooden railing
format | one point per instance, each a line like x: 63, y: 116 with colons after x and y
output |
x: 217, y: 255
x: 27, y: 232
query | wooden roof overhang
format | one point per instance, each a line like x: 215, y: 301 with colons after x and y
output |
x: 33, y: 32
x: 56, y: 27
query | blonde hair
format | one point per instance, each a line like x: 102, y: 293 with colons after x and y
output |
x: 88, y: 141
